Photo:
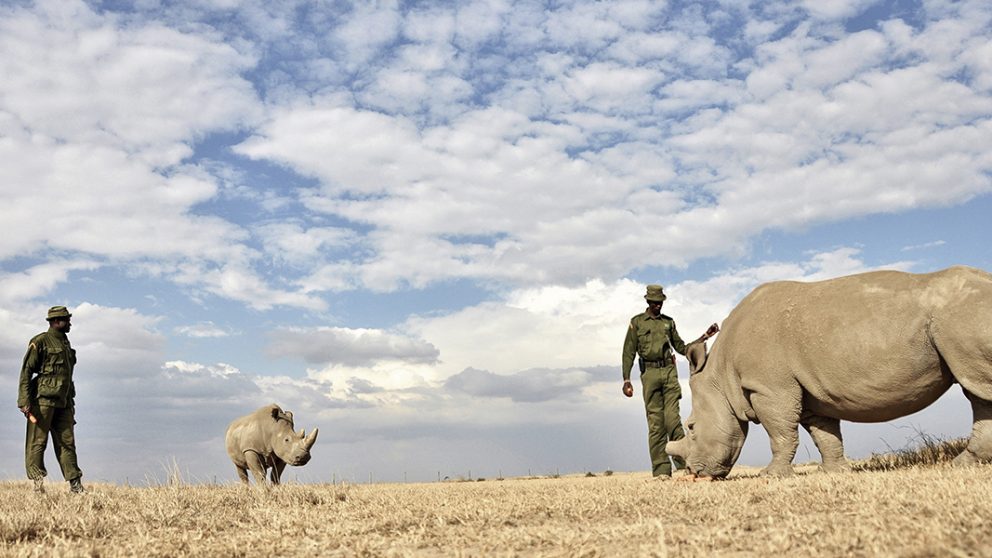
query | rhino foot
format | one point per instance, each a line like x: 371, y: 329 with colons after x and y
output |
x: 774, y: 470
x: 836, y: 467
x: 965, y: 459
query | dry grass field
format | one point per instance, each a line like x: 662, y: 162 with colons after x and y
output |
x: 929, y: 510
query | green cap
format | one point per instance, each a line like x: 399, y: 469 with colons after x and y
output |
x: 58, y: 312
x: 656, y: 293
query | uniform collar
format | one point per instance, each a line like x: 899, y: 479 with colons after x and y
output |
x: 58, y: 334
x: 648, y: 315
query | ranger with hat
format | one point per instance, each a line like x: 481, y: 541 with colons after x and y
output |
x: 653, y: 336
x: 46, y: 397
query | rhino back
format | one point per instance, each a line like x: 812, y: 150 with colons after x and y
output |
x: 253, y: 432
x: 860, y: 346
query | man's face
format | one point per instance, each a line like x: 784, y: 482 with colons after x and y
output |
x: 655, y: 306
x: 61, y: 324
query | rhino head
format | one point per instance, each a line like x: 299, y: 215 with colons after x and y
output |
x: 714, y: 433
x: 289, y: 446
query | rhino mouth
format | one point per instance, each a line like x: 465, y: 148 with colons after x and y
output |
x: 301, y: 460
x: 714, y: 472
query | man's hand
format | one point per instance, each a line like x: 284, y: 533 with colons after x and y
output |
x: 27, y: 413
x: 628, y: 389
x: 713, y: 330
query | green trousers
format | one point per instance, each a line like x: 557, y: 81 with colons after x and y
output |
x: 661, y: 402
x: 60, y: 422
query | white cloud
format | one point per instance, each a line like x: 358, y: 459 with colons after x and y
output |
x: 608, y: 87
x: 925, y: 245
x: 350, y: 347
x: 292, y: 243
x: 589, y: 25
x: 480, y: 20
x: 528, y: 386
x: 202, y: 330
x: 843, y: 59
x: 368, y: 29
x: 836, y: 9
x: 39, y: 279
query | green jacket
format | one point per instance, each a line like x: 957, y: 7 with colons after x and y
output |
x: 46, y: 375
x: 652, y: 337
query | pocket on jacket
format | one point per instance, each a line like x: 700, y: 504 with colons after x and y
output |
x: 49, y: 386
x: 55, y: 358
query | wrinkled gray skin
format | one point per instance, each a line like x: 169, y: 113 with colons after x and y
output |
x: 864, y: 348
x: 265, y: 440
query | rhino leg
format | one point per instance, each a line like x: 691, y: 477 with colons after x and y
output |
x: 979, y: 448
x: 779, y: 414
x: 257, y: 467
x: 242, y: 474
x: 825, y: 432
x: 277, y: 468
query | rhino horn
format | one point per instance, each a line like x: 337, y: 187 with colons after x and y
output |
x: 677, y: 448
x: 303, y: 433
x: 311, y: 439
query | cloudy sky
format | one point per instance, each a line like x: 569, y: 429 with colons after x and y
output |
x: 423, y: 226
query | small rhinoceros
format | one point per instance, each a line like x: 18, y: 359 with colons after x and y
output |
x: 265, y: 439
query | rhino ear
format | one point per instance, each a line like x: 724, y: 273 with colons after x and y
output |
x: 275, y: 410
x: 696, y: 353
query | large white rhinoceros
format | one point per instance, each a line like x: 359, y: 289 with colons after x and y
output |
x: 864, y: 348
x: 265, y: 439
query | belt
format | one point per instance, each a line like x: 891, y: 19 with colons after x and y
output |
x: 655, y: 363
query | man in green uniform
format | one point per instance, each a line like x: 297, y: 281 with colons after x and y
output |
x: 653, y: 336
x: 46, y: 397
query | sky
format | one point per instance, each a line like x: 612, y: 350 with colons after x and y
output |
x: 424, y: 226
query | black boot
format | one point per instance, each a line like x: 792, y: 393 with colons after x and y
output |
x: 76, y: 486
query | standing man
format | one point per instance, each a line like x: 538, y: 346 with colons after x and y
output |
x: 46, y: 397
x: 653, y: 336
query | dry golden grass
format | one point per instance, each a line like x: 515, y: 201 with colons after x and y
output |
x: 923, y: 511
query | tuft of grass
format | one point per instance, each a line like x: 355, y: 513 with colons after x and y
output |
x: 923, y: 450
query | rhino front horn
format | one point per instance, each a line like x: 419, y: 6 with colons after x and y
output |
x: 677, y: 448
x: 311, y: 439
